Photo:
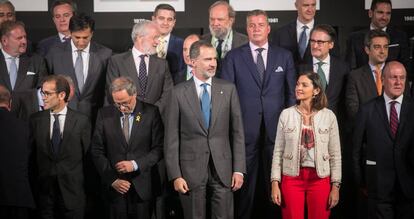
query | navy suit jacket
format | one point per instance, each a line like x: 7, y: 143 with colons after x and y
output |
x: 261, y: 100
x: 44, y: 45
x: 286, y: 37
x: 175, y: 55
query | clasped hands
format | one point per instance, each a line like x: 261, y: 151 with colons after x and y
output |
x: 120, y: 185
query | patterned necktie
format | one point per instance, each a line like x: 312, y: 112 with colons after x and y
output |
x: 125, y: 126
x: 219, y: 49
x: 13, y: 72
x: 161, y: 48
x: 205, y: 104
x: 302, y: 41
x: 393, y: 118
x: 142, y: 76
x: 56, y: 137
x: 378, y: 81
x: 322, y: 75
x: 260, y: 63
x: 79, y: 70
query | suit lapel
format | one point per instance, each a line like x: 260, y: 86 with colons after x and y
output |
x: 69, y: 126
x: 216, y: 101
x: 152, y: 74
x: 332, y: 77
x: 380, y: 104
x: 369, y: 77
x: 248, y: 59
x: 136, y: 124
x: 45, y: 133
x: 115, y: 121
x: 4, y: 73
x: 193, y: 101
x: 93, y: 69
x: 67, y: 62
x: 293, y: 36
x: 132, y: 71
x: 22, y: 71
x: 269, y: 67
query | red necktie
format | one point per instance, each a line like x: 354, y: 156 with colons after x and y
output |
x: 393, y: 119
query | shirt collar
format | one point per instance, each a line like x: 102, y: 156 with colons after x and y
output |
x: 227, y: 38
x: 199, y: 82
x: 7, y: 55
x: 74, y: 49
x: 62, y: 36
x: 389, y: 100
x: 373, y: 68
x: 310, y: 25
x: 327, y: 60
x: 371, y: 27
x: 136, y: 53
x: 167, y: 38
x: 253, y: 47
x: 64, y: 111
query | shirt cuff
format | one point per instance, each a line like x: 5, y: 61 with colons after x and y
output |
x: 135, y: 165
x: 239, y: 174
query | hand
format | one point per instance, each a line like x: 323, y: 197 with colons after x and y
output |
x: 180, y: 185
x: 333, y: 197
x: 125, y: 166
x: 276, y: 194
x: 121, y: 186
x: 236, y: 181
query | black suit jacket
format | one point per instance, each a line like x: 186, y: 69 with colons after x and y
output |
x: 145, y: 147
x: 335, y: 91
x: 174, y: 56
x: 31, y: 71
x: 379, y: 160
x: 399, y: 49
x: 59, y: 61
x: 25, y: 103
x: 65, y: 167
x: 14, y: 162
x: 286, y: 37
x: 44, y: 45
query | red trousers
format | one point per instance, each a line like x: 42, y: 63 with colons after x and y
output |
x: 309, y: 188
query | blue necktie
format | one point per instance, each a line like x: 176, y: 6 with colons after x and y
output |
x: 13, y: 72
x: 260, y: 63
x: 56, y: 138
x: 302, y: 41
x: 205, y: 104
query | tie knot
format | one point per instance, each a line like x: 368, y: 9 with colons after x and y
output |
x: 79, y: 51
x: 320, y: 64
x: 260, y: 50
x: 304, y: 27
x: 143, y: 56
x: 56, y: 116
x: 393, y: 103
x: 220, y: 42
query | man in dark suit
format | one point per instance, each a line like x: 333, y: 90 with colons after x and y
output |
x: 330, y: 69
x: 16, y: 197
x: 126, y: 145
x: 150, y: 73
x: 221, y: 19
x: 186, y: 73
x: 295, y: 35
x: 169, y: 46
x: 61, y: 11
x: 61, y: 138
x: 265, y: 79
x: 85, y: 61
x: 204, y: 146
x: 383, y: 138
x: 380, y: 14
x: 18, y: 71
x: 365, y: 82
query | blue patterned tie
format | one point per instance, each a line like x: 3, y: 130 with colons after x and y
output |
x: 302, y: 41
x: 205, y: 104
x: 260, y: 63
x: 142, y: 77
x: 13, y: 72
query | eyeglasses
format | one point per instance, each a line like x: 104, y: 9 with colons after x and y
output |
x: 319, y: 42
x: 123, y: 104
x: 47, y: 93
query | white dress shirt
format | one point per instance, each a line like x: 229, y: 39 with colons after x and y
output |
x: 137, y: 60
x: 255, y: 53
x: 299, y: 30
x: 200, y: 89
x: 373, y: 68
x: 8, y: 58
x: 85, y: 58
x: 397, y: 105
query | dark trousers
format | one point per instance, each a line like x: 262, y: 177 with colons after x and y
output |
x: 130, y: 206
x: 253, y: 199
x: 210, y: 200
x: 51, y: 205
x: 12, y: 212
x: 396, y: 206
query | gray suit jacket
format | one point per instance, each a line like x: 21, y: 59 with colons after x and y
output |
x: 189, y: 145
x: 159, y: 77
x: 59, y: 61
x: 239, y: 39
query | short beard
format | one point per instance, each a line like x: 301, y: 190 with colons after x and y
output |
x: 220, y: 33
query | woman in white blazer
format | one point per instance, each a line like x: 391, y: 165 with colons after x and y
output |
x: 306, y: 166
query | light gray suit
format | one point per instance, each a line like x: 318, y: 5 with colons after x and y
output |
x: 159, y: 77
x: 205, y: 157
